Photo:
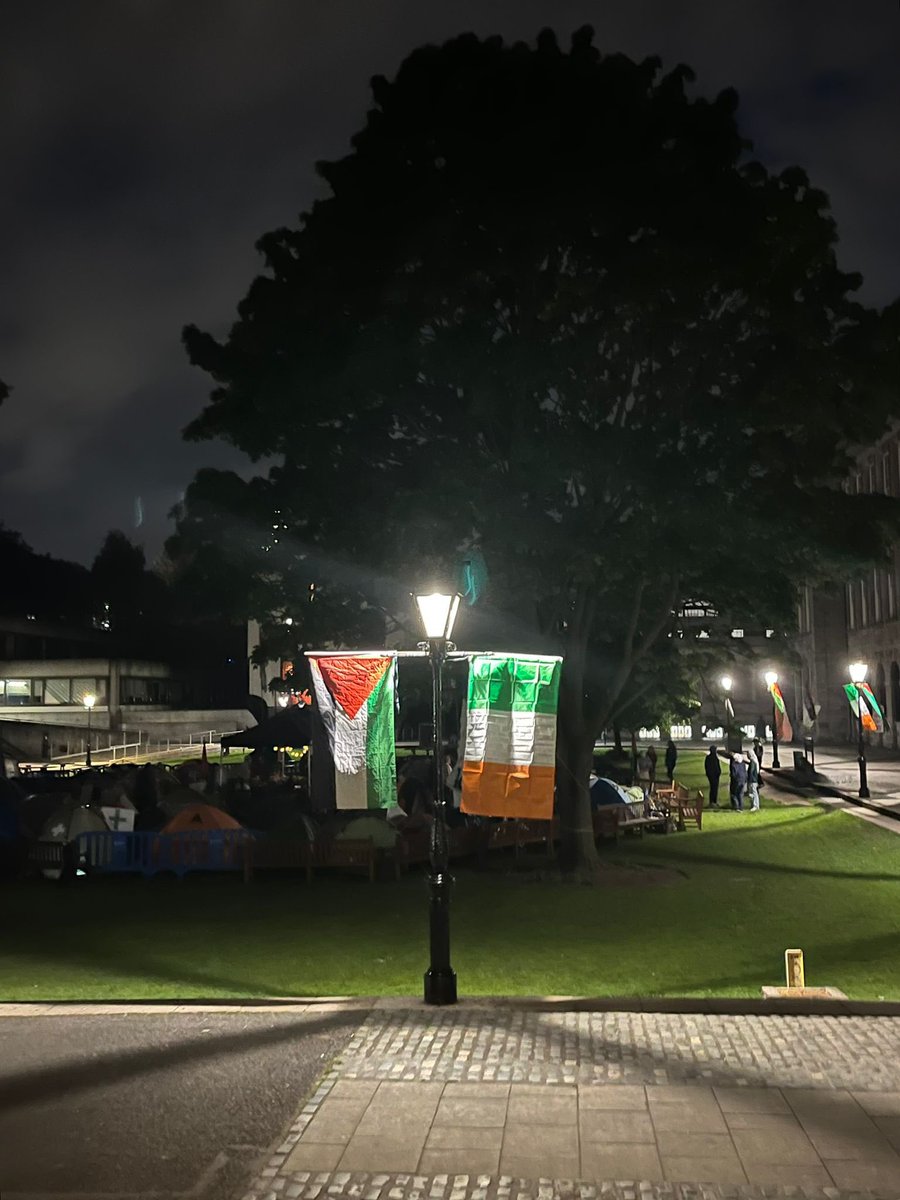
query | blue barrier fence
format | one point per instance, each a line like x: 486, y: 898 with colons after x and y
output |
x: 150, y: 853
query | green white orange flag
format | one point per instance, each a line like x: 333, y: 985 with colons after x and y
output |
x: 509, y: 758
x: 355, y: 698
x: 783, y: 727
x: 865, y: 706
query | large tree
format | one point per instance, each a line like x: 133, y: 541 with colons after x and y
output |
x: 551, y: 313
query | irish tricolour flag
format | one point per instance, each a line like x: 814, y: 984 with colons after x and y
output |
x: 510, y: 736
x: 355, y: 697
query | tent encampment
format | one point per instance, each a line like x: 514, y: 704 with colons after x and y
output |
x: 196, y: 818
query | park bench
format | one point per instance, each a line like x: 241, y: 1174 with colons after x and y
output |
x: 300, y: 855
x: 690, y: 810
x: 272, y: 854
x: 344, y: 855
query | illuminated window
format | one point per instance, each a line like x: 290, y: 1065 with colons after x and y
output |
x: 648, y: 735
x: 681, y: 733
x: 714, y: 735
x: 770, y: 633
x: 736, y: 633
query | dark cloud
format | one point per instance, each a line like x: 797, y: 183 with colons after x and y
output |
x: 148, y: 143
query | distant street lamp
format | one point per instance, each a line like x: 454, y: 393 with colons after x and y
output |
x: 857, y: 676
x: 438, y: 613
x: 771, y: 680
x: 89, y: 701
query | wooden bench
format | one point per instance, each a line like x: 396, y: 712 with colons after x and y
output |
x: 690, y: 810
x: 357, y: 855
x: 271, y: 854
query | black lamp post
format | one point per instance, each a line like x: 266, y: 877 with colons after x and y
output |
x: 857, y: 676
x: 89, y: 701
x: 771, y: 680
x: 438, y: 612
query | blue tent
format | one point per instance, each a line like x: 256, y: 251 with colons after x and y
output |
x: 604, y: 791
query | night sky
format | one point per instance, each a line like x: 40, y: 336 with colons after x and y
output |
x: 146, y: 144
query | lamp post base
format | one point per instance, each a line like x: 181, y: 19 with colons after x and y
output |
x: 863, y: 778
x: 440, y: 986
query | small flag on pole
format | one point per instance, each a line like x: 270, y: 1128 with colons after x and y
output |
x: 510, y: 736
x: 865, y: 707
x: 783, y: 727
x: 355, y: 697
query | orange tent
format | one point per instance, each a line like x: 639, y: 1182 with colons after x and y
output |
x: 200, y: 817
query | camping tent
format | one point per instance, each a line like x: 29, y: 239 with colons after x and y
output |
x: 198, y: 818
x: 70, y: 820
x: 292, y: 727
x: 605, y: 791
x: 67, y: 823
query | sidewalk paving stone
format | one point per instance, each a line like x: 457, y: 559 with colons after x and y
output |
x: 742, y: 1107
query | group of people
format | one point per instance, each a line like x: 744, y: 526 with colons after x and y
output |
x: 646, y: 767
x: 743, y: 776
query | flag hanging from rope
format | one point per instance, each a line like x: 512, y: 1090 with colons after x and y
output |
x: 865, y: 707
x: 783, y: 727
x: 355, y: 697
x: 510, y: 736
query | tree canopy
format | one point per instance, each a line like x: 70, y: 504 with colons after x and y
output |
x: 551, y: 313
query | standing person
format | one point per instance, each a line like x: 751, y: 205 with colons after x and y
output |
x: 643, y: 774
x: 651, y: 754
x: 738, y: 773
x: 671, y: 760
x: 713, y: 769
x: 753, y: 780
x: 758, y: 750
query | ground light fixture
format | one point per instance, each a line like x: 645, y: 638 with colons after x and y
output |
x: 858, y: 672
x: 89, y: 701
x: 438, y: 613
x: 771, y: 679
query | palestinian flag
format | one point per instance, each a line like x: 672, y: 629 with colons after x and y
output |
x: 510, y: 736
x: 783, y: 727
x: 864, y: 705
x: 355, y: 698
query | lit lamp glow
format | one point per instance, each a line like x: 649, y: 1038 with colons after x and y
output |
x: 857, y: 676
x: 438, y: 612
x: 89, y: 701
x: 771, y: 680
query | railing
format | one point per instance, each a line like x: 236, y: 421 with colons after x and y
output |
x: 145, y: 748
x: 149, y: 853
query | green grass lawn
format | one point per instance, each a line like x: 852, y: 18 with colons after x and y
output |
x: 742, y: 890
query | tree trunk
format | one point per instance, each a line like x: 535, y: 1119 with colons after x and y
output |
x: 574, y: 757
x: 617, y: 735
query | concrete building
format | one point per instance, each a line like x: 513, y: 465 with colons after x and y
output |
x: 47, y: 672
x: 872, y: 618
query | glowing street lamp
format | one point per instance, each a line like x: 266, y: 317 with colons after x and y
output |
x: 857, y: 676
x: 89, y: 701
x: 438, y: 613
x: 771, y: 680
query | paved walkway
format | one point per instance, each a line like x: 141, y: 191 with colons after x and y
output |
x: 488, y: 1103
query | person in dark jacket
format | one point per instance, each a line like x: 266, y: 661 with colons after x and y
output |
x: 758, y: 751
x: 713, y: 769
x: 671, y: 760
x: 738, y: 782
x: 753, y: 780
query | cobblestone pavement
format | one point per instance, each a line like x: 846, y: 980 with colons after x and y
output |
x: 480, y: 1103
